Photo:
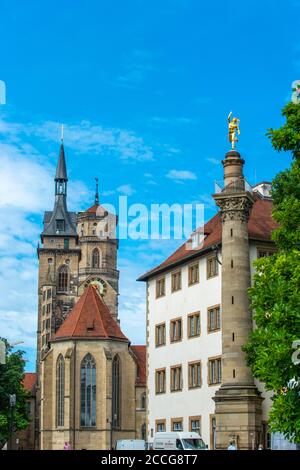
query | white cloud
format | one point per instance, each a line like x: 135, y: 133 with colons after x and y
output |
x: 213, y: 160
x: 26, y: 190
x: 181, y: 175
x: 126, y: 189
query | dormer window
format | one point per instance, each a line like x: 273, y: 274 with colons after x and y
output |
x: 60, y: 225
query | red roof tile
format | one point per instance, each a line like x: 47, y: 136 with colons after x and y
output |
x: 260, y: 226
x: 96, y: 209
x: 29, y: 381
x: 90, y: 318
x: 140, y: 355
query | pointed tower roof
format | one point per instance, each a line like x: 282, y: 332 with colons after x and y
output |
x: 90, y: 318
x: 60, y: 222
x: 61, y: 169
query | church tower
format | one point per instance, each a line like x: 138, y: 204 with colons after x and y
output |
x: 96, y: 229
x: 59, y: 257
x: 237, y: 402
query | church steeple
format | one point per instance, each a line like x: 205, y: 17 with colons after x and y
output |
x: 61, y: 222
x: 61, y: 177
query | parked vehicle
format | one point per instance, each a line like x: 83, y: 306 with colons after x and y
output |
x: 131, y: 444
x: 178, y: 441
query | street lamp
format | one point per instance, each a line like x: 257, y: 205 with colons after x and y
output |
x: 12, y: 404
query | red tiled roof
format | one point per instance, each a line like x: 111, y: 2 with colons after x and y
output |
x: 260, y: 226
x: 29, y: 381
x: 90, y: 318
x: 96, y: 209
x: 140, y: 354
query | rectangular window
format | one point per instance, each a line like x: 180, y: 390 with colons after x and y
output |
x: 160, y: 287
x: 176, y: 378
x: 214, y: 318
x: 176, y: 424
x: 160, y: 335
x: 176, y: 281
x: 48, y: 308
x: 60, y: 225
x: 66, y: 243
x: 212, y: 267
x: 44, y: 296
x: 195, y: 424
x: 44, y: 309
x: 160, y: 381
x: 214, y: 371
x: 263, y: 252
x: 49, y: 294
x: 175, y: 330
x: 160, y: 425
x: 48, y: 323
x: 193, y: 274
x: 195, y: 374
x: 194, y: 324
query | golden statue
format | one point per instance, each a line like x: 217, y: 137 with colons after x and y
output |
x: 233, y: 129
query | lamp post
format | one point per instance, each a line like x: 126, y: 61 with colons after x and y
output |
x: 12, y: 404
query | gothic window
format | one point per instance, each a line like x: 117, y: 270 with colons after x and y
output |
x: 116, y: 391
x: 60, y: 391
x: 143, y: 401
x: 95, y: 258
x: 88, y: 392
x: 63, y: 279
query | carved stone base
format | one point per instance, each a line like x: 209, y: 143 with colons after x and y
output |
x: 238, y: 416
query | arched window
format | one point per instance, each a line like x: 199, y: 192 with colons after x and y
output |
x: 116, y: 392
x: 143, y: 432
x: 143, y: 401
x: 88, y: 392
x: 60, y: 391
x: 95, y: 258
x: 63, y: 279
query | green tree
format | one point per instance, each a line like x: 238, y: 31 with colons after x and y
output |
x: 275, y: 294
x: 11, y: 377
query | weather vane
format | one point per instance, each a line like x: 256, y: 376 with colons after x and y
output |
x: 62, y: 132
x: 233, y: 129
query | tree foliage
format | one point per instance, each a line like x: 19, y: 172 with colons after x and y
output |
x: 275, y: 294
x: 11, y: 377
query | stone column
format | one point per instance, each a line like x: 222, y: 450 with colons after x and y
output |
x: 238, y: 402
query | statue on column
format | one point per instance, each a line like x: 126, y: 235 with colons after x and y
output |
x: 233, y: 130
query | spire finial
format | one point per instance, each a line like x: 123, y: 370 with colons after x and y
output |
x: 62, y: 134
x: 96, y: 193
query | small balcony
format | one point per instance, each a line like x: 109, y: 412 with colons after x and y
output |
x: 233, y: 187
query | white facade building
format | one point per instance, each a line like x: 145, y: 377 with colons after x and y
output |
x: 184, y: 330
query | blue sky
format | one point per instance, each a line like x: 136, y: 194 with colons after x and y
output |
x: 144, y: 89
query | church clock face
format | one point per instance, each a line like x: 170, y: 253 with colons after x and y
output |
x: 99, y: 283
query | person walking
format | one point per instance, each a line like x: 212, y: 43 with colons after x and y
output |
x: 231, y: 446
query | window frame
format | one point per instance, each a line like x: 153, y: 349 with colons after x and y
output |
x: 162, y: 371
x: 174, y: 286
x: 177, y: 338
x: 209, y: 375
x: 157, y: 327
x: 177, y: 367
x: 209, y: 310
x: 190, y: 267
x: 189, y: 317
x: 208, y: 270
x: 158, y: 290
x: 191, y: 365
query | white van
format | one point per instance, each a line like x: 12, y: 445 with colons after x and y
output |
x: 178, y: 441
x: 131, y: 444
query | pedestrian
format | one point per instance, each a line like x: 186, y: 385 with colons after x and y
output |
x: 260, y: 447
x: 231, y: 446
x: 67, y: 446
